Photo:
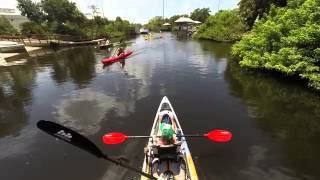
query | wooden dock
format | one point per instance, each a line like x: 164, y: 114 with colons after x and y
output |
x: 36, y: 42
x: 47, y: 40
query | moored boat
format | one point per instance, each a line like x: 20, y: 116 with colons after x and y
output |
x: 168, y: 160
x: 106, y: 46
x: 11, y: 47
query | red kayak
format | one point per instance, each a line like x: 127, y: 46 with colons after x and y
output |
x: 116, y: 58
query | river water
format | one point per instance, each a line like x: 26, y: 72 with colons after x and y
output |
x: 275, y: 122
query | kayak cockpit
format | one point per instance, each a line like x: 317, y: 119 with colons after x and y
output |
x: 168, y: 159
x: 168, y: 162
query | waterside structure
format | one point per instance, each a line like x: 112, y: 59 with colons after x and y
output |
x: 186, y: 27
x: 16, y: 46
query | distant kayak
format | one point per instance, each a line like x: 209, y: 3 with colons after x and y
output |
x: 116, y: 58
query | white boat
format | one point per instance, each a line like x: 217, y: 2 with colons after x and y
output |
x: 10, y: 46
x: 144, y: 31
x: 172, y: 161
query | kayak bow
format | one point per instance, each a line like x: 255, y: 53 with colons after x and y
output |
x: 180, y: 159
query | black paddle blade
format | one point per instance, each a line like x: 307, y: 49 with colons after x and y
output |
x: 69, y: 136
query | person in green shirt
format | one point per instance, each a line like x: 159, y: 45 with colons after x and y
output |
x: 166, y: 130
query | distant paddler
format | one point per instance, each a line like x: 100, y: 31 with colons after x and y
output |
x: 121, y: 48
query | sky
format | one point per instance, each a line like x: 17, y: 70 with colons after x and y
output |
x: 140, y: 11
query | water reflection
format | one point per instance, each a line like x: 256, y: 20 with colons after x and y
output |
x: 15, y: 94
x: 218, y: 49
x: 275, y: 122
x: 286, y: 111
x: 78, y: 64
x: 83, y: 110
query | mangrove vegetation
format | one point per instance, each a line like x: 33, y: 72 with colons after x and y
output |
x: 286, y: 40
x: 225, y: 25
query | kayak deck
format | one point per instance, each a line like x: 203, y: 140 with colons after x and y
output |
x: 185, y: 163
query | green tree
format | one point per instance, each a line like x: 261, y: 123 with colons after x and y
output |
x: 31, y: 9
x: 286, y: 41
x: 62, y: 11
x: 225, y: 25
x: 154, y: 24
x: 63, y: 17
x: 200, y: 14
x: 32, y: 28
x: 250, y: 10
x: 70, y: 29
x: 5, y: 27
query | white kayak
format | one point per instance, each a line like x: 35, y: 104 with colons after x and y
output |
x: 168, y: 161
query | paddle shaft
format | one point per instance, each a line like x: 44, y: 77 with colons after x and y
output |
x: 118, y: 162
x: 78, y: 140
x: 193, y: 135
x: 139, y: 136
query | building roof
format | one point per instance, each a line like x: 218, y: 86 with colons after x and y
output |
x: 166, y: 24
x: 184, y: 20
x: 8, y: 11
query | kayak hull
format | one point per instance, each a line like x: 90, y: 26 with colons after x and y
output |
x: 186, y: 162
x: 113, y: 59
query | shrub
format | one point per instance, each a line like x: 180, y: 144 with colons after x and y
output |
x: 32, y: 27
x: 223, y: 26
x: 287, y: 40
x: 6, y: 28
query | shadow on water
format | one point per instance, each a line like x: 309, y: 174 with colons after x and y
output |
x: 287, y: 111
x: 15, y: 95
x: 218, y: 49
x: 77, y: 64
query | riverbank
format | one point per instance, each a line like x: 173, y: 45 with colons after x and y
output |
x: 268, y: 115
x: 224, y: 26
x: 36, y: 47
x: 6, y: 57
x: 286, y: 41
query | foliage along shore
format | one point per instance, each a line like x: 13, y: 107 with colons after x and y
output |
x: 224, y: 26
x: 282, y: 37
x: 63, y: 17
x: 286, y: 40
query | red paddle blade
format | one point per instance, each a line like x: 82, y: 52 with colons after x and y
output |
x: 219, y: 135
x: 114, y: 138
